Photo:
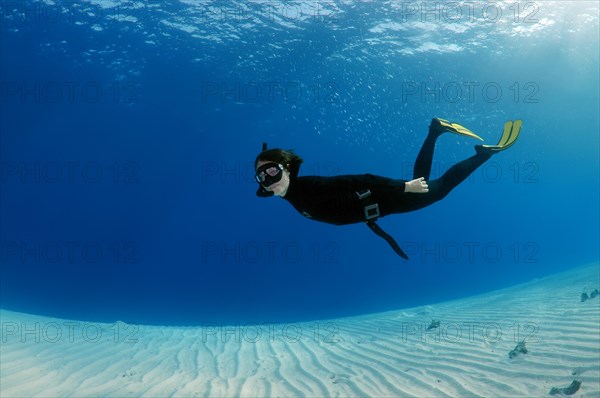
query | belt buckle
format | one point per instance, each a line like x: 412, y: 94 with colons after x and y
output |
x: 363, y: 194
x: 371, y: 211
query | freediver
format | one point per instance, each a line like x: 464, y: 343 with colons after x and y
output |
x: 348, y: 199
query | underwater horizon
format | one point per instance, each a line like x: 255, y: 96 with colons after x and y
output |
x: 129, y: 130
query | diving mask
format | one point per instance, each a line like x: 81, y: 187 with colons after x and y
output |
x: 268, y: 174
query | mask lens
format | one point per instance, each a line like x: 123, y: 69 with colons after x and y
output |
x: 273, y: 171
x: 268, y: 174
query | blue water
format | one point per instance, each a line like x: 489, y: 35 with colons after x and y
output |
x: 128, y: 132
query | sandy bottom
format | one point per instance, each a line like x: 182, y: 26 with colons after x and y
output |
x: 393, y: 354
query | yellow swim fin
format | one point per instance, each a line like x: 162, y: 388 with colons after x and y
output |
x: 508, y: 138
x: 441, y: 126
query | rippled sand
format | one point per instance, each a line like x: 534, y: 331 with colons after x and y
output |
x: 389, y: 354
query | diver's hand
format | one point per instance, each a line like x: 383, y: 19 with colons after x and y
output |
x: 418, y: 185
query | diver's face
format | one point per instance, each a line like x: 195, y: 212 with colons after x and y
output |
x: 278, y: 188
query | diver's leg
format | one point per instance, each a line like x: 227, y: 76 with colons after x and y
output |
x: 436, y: 128
x: 425, y: 156
x: 438, y: 189
x: 441, y: 187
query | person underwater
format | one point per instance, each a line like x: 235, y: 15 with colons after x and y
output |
x: 348, y: 199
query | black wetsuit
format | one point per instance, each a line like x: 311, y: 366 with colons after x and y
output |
x: 334, y: 200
